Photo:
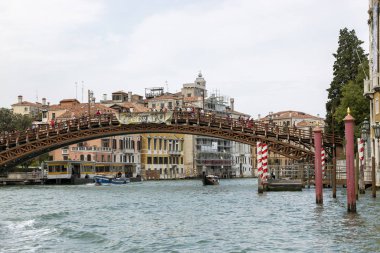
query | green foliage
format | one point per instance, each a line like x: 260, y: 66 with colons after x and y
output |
x: 13, y: 122
x: 352, y: 97
x: 350, y: 61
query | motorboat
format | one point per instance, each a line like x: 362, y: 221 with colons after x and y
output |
x: 210, y: 180
x: 106, y: 180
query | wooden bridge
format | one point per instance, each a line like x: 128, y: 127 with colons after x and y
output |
x: 18, y: 147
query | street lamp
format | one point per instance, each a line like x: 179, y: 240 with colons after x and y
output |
x: 365, y: 130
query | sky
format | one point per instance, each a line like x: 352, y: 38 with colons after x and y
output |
x: 269, y: 56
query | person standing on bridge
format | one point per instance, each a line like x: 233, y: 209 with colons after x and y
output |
x: 52, y: 123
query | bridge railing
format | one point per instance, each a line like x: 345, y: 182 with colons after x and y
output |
x: 15, y: 138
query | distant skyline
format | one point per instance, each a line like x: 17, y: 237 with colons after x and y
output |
x: 268, y: 55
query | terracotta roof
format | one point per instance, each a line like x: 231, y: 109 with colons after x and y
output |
x: 291, y: 114
x: 192, y: 99
x: 78, y: 110
x: 69, y: 100
x: 26, y: 103
x: 136, y: 107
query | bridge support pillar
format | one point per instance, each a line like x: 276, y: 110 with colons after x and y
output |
x: 318, y: 165
x: 350, y: 166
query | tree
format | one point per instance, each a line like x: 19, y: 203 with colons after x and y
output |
x: 347, y: 67
x: 13, y: 122
x: 6, y: 117
x: 352, y: 97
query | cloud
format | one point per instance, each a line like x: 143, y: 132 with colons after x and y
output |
x: 269, y: 56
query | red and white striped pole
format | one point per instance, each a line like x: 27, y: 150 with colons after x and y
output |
x: 361, y: 165
x: 259, y: 160
x: 323, y: 162
x: 260, y: 187
x: 265, y: 161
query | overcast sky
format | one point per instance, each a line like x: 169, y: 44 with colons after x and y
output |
x: 269, y: 55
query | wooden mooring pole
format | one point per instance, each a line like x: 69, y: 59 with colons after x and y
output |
x: 350, y: 164
x: 373, y: 175
x: 318, y: 165
x: 334, y: 176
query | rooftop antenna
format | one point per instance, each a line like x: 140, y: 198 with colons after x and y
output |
x: 82, y: 90
x: 76, y: 90
x: 36, y: 95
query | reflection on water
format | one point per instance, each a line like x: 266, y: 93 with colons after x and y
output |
x: 183, y: 216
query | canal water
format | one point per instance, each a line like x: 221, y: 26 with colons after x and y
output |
x: 183, y: 216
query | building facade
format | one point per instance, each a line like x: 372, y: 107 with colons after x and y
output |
x: 372, y: 85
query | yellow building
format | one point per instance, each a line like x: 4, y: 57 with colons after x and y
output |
x: 162, y: 156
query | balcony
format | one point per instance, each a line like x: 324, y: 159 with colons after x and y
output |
x: 375, y: 82
x: 174, y: 152
x: 91, y: 149
x: 368, y: 90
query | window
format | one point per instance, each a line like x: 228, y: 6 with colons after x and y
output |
x: 105, y: 143
x: 149, y: 160
x: 53, y: 115
x: 170, y: 105
x: 133, y: 144
x: 160, y: 160
x: 153, y: 105
x: 377, y: 106
x: 155, y: 143
x: 88, y: 157
x: 162, y: 105
x: 160, y: 171
x: 149, y: 140
x: 26, y: 109
x: 138, y: 145
x: 82, y: 157
x: 155, y: 160
x: 188, y: 95
x: 114, y: 144
x: 165, y: 160
x: 160, y: 144
x: 65, y: 158
x: 181, y: 160
x: 165, y: 144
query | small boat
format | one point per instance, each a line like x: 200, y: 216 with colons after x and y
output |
x: 104, y: 180
x: 210, y: 180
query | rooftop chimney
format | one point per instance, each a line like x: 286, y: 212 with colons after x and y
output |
x: 232, y: 102
x: 104, y: 97
x: 19, y: 99
x: 43, y: 101
x: 129, y: 96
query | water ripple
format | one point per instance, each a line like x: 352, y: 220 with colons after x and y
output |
x: 183, y: 216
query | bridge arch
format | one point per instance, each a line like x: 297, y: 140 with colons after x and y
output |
x: 20, y: 147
